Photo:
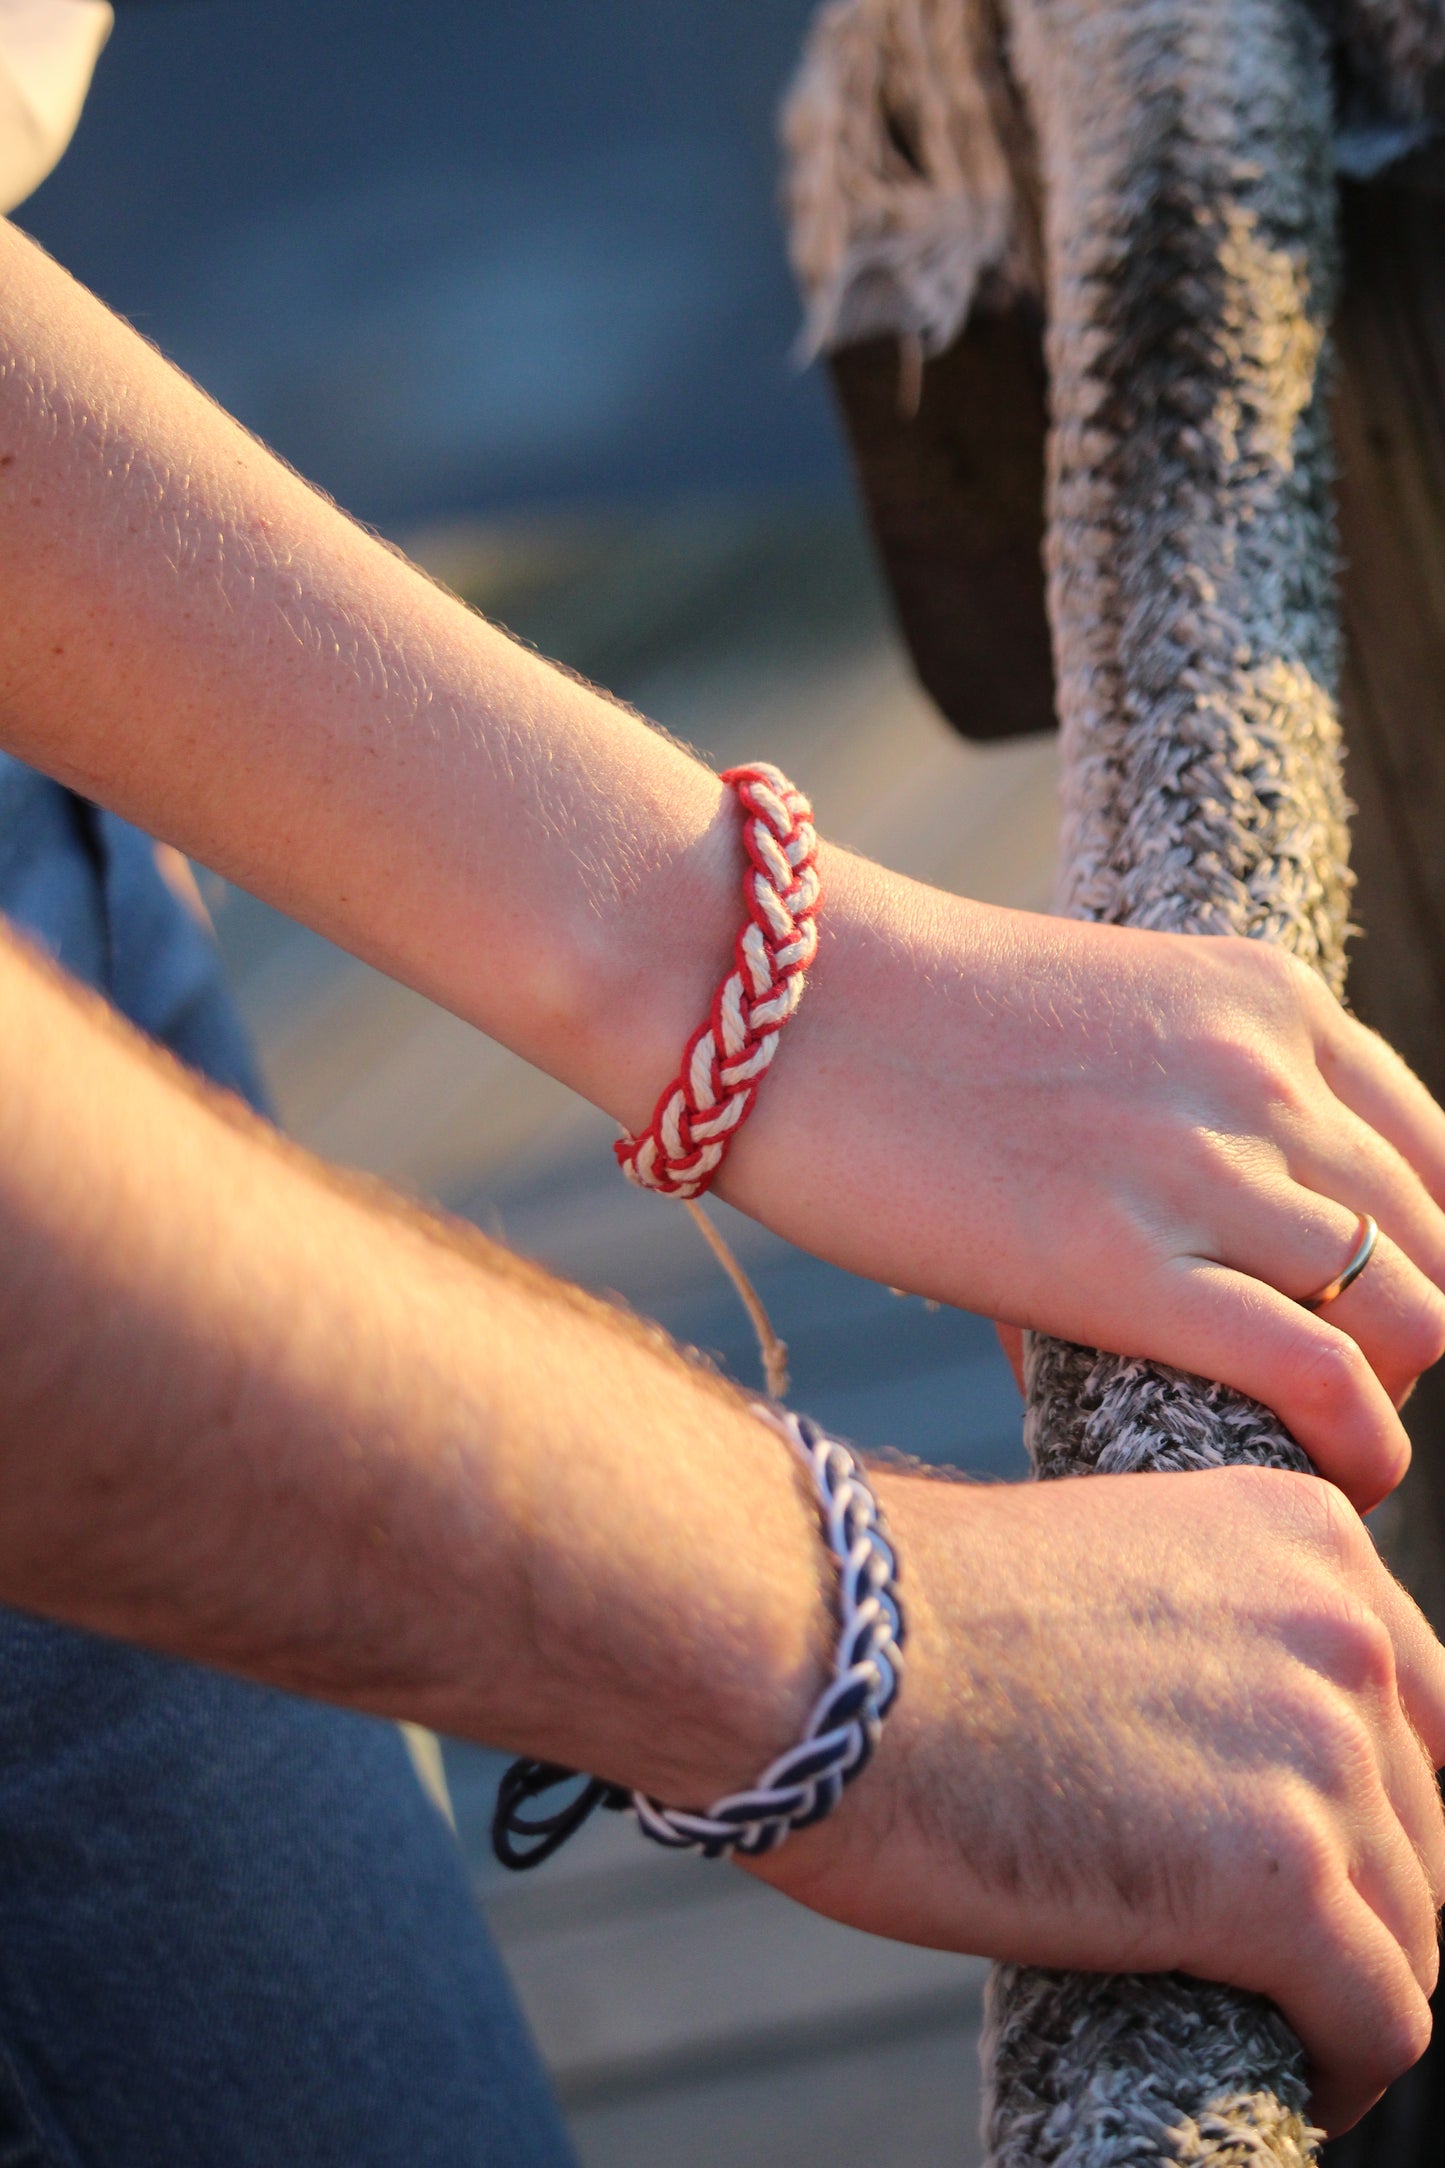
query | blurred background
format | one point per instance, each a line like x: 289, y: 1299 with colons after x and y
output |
x: 510, y: 283
x: 447, y: 254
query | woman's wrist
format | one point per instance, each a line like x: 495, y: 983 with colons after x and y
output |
x: 859, y: 1146
x: 638, y: 965
x: 836, y: 1154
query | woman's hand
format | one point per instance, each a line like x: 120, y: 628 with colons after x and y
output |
x: 1149, y: 1144
x: 1145, y: 1142
x: 1155, y: 1723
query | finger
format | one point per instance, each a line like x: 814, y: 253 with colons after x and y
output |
x: 1011, y: 1340
x: 1352, y: 1997
x: 1413, y: 1790
x: 1419, y: 1664
x: 1398, y: 1324
x: 1394, y: 1882
x: 1345, y: 1159
x: 1297, y: 1241
x: 1413, y: 1681
x: 1223, y: 1324
x: 1371, y: 1078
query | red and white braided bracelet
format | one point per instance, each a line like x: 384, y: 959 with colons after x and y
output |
x: 702, y: 1110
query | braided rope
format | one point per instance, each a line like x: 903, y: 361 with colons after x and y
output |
x: 1185, y: 153
x: 702, y: 1110
x: 806, y: 1783
x: 1180, y: 152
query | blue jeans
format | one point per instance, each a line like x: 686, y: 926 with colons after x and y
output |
x: 233, y: 1931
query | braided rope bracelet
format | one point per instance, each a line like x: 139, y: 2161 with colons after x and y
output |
x: 702, y: 1110
x: 804, y: 1784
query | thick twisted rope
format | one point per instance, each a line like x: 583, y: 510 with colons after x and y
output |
x: 1190, y: 249
x: 702, y: 1110
x: 1183, y: 152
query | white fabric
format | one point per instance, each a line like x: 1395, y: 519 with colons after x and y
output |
x: 48, y: 51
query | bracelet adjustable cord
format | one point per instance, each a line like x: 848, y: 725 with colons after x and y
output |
x: 523, y: 1840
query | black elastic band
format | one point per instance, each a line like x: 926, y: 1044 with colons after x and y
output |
x: 521, y: 1840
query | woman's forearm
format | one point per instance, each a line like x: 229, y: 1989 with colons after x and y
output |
x: 199, y: 640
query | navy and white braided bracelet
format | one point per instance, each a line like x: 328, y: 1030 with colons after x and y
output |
x: 807, y: 1782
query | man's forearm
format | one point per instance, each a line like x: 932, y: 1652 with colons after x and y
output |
x: 252, y: 1416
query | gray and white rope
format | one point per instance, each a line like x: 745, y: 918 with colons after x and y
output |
x: 1180, y: 152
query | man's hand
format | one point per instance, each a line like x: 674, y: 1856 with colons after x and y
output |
x: 264, y: 1418
x: 1153, y: 1723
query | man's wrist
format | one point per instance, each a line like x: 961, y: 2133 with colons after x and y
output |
x: 678, y: 1590
x: 803, y: 1784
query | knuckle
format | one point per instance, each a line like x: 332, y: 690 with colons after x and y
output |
x: 1429, y: 1844
x: 1259, y: 1074
x: 1304, y: 1534
x: 1347, y: 1646
x: 1432, y: 1849
x: 1402, y: 2036
x: 1288, y: 986
x: 1424, y: 1335
x: 1272, y: 1510
x: 1334, y: 1744
x: 1390, y: 2033
x: 1255, y: 1044
x: 1268, y: 1487
x: 1301, y: 985
x: 1329, y: 1525
x: 1298, y: 1842
x: 1330, y: 1373
x: 1265, y: 959
x: 1360, y: 1649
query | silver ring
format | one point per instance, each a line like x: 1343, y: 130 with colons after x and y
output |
x: 1364, y: 1251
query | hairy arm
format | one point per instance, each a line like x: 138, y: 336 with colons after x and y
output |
x: 255, y: 1414
x: 273, y: 1418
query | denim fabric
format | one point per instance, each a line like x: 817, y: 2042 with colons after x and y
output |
x: 233, y: 1931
